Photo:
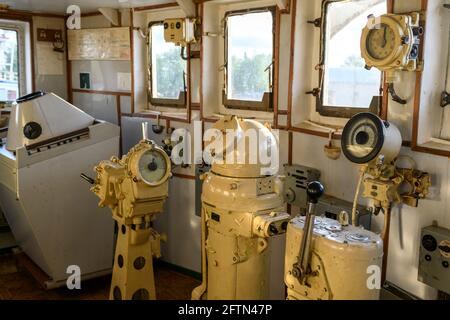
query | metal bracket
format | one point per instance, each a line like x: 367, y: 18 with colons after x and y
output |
x: 332, y: 207
x: 315, y: 92
x: 316, y: 22
x: 297, y: 179
x: 419, y: 183
x: 199, y: 171
x: 445, y: 99
x: 394, y: 94
x: 315, y: 278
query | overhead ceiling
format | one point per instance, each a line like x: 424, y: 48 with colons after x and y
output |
x: 60, y: 6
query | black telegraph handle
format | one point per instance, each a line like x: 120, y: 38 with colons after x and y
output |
x: 314, y: 190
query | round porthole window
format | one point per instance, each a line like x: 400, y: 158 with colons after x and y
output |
x: 32, y: 130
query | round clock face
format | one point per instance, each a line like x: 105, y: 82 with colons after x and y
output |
x: 152, y: 167
x: 362, y: 138
x: 380, y: 42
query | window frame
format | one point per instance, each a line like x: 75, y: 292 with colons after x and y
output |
x: 267, y: 102
x: 443, y: 129
x: 341, y: 111
x: 181, y: 102
x: 21, y: 57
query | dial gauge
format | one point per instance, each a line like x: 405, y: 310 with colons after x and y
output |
x: 380, y: 42
x: 363, y: 138
x: 152, y: 167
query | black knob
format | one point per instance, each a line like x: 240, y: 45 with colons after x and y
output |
x: 429, y: 243
x: 32, y: 130
x: 273, y: 229
x: 152, y: 166
x: 315, y: 190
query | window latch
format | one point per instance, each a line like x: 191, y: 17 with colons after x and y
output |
x: 316, y: 22
x: 223, y: 68
x: 268, y: 67
x: 315, y: 92
x: 269, y: 72
x: 445, y: 99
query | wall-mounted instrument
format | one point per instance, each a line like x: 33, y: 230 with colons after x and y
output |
x: 181, y: 31
x: 390, y: 43
x: 375, y: 145
x: 434, y: 258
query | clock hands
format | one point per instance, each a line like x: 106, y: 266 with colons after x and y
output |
x: 384, y: 38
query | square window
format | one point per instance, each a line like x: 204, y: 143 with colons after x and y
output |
x: 249, y: 54
x: 167, y: 70
x: 445, y: 126
x: 9, y: 65
x: 346, y: 86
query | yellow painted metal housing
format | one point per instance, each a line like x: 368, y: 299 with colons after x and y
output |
x: 133, y: 202
x: 404, y: 39
x: 345, y: 262
x: 241, y: 210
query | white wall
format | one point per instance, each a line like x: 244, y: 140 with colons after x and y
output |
x: 50, y: 83
x: 103, y: 76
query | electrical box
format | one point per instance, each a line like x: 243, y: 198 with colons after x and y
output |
x: 296, y: 181
x: 49, y: 35
x: 180, y: 31
x: 331, y: 207
x: 434, y: 258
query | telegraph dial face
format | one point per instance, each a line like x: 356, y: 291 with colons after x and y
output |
x: 152, y: 166
x: 380, y: 42
x: 363, y: 138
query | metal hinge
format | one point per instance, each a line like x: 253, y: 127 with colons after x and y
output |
x: 315, y: 92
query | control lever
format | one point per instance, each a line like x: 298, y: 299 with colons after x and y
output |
x: 87, y: 178
x: 314, y: 190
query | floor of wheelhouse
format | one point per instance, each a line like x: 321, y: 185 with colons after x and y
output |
x: 16, y: 283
